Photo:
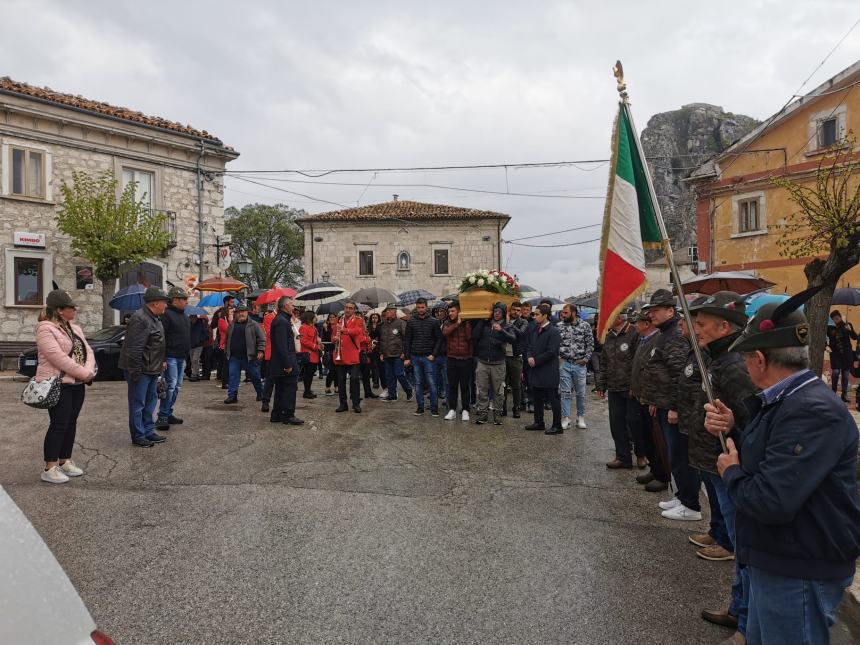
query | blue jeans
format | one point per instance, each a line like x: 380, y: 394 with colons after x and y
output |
x: 394, y: 372
x: 834, y: 380
x: 791, y: 610
x: 173, y: 377
x: 251, y: 369
x: 142, y: 399
x: 440, y: 367
x: 424, y: 376
x: 686, y: 477
x: 739, y: 605
x: 572, y: 375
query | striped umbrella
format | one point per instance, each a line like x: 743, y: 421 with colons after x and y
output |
x: 408, y: 298
x: 321, y: 291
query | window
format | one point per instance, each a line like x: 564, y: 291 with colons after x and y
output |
x: 748, y: 216
x: 403, y: 261
x: 28, y: 279
x: 145, y: 182
x: 365, y: 263
x: 828, y: 132
x: 28, y: 172
x: 440, y: 261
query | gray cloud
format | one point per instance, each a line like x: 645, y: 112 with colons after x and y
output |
x: 381, y: 84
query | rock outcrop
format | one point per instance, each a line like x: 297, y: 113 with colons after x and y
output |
x: 676, y: 143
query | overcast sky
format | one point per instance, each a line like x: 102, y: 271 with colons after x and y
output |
x: 360, y: 84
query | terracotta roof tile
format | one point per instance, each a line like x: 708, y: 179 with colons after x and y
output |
x: 99, y: 107
x: 403, y: 210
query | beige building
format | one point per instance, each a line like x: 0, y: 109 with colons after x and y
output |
x: 44, y: 137
x: 401, y: 245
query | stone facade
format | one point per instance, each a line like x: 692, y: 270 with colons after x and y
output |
x: 71, y: 139
x: 333, y: 244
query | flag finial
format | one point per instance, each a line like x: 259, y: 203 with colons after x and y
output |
x: 618, y: 71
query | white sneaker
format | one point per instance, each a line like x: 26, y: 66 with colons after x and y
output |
x: 580, y: 423
x: 565, y: 423
x: 54, y: 476
x: 669, y: 504
x: 682, y: 513
x: 465, y: 415
x: 451, y: 416
x: 71, y: 469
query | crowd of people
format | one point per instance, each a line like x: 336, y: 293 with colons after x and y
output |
x: 781, y: 490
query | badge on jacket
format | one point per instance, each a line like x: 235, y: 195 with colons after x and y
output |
x: 653, y: 351
x: 688, y: 371
x: 624, y: 347
x: 394, y: 332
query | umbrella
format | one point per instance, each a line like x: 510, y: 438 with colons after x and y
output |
x: 736, y: 281
x: 274, y: 294
x: 128, y: 298
x: 552, y: 301
x: 451, y: 296
x: 195, y: 311
x: 218, y: 283
x: 374, y: 296
x: 213, y: 299
x: 321, y: 291
x: 846, y: 296
x: 336, y: 307
x: 256, y: 293
x: 755, y: 302
x: 437, y: 305
x: 528, y: 292
x: 411, y: 297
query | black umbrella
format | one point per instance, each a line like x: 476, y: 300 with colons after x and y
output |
x: 846, y: 296
x: 374, y: 296
x: 321, y: 291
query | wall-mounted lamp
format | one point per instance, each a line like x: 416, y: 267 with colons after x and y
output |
x: 325, y: 276
x: 487, y: 238
x: 318, y: 238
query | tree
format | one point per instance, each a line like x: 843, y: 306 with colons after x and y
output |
x: 827, y: 227
x: 269, y: 238
x: 112, y: 233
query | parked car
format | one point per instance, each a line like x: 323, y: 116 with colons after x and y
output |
x: 106, y: 344
x: 40, y: 604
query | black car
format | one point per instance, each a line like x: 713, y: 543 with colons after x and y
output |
x: 106, y: 344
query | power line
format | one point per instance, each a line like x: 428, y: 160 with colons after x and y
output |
x: 284, y: 190
x: 551, y: 246
x: 567, y: 230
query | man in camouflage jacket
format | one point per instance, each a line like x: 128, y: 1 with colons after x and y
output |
x: 577, y: 345
x: 614, y: 379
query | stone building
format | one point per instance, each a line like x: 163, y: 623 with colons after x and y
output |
x: 44, y: 137
x: 401, y: 245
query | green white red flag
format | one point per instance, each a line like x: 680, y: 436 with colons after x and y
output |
x: 629, y: 225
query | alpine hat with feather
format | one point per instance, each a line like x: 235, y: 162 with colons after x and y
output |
x: 777, y: 325
x: 723, y: 304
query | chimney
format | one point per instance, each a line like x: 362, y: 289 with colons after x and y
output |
x: 395, y: 197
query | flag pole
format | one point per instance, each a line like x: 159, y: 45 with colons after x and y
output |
x: 618, y: 71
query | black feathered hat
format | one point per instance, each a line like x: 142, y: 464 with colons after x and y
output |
x: 777, y: 325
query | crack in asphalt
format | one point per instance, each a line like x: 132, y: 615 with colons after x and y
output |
x: 98, y: 453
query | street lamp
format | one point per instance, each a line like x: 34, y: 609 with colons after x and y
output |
x: 244, y: 267
x: 325, y: 276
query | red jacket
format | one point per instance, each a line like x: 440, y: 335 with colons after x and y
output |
x: 351, y: 338
x: 309, y: 338
x: 223, y: 326
x: 267, y: 331
x: 459, y: 338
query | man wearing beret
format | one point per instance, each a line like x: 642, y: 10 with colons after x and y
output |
x: 177, y: 338
x: 142, y: 359
x: 794, y: 484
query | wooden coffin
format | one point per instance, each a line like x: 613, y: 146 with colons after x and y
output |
x: 477, y: 304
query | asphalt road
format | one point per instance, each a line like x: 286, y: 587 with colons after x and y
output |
x: 371, y: 528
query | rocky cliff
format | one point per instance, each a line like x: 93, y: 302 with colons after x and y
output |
x: 677, y: 142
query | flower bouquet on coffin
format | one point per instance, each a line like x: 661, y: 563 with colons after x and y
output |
x: 480, y: 290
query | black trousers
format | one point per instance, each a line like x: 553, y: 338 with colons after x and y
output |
x: 354, y: 374
x: 514, y: 380
x: 473, y: 384
x: 206, y: 360
x: 459, y: 382
x: 377, y: 370
x: 527, y: 388
x: 618, y: 426
x: 331, y: 375
x: 284, y: 405
x: 366, y: 376
x: 268, y: 382
x: 643, y: 428
x: 60, y: 439
x: 308, y: 371
x: 542, y: 395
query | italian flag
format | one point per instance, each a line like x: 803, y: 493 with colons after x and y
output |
x: 629, y: 225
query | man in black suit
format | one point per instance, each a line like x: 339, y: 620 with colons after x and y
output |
x: 283, y: 367
x: 542, y: 358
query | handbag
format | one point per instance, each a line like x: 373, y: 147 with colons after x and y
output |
x: 44, y: 395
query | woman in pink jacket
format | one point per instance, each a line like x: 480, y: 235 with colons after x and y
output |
x: 63, y: 348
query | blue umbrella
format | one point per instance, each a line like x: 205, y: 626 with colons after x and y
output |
x: 128, y: 298
x: 213, y: 299
x: 755, y: 302
x: 411, y: 297
x: 195, y: 311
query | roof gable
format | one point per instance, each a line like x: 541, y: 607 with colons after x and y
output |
x: 404, y: 210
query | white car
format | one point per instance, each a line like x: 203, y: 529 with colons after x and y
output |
x: 38, y: 603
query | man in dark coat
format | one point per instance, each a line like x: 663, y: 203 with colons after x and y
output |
x: 421, y: 346
x: 283, y: 366
x: 660, y: 390
x: 542, y: 357
x: 794, y: 483
x: 177, y: 338
x: 613, y: 380
x: 842, y: 354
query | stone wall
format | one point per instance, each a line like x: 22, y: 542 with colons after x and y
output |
x: 337, y: 253
x: 175, y: 190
